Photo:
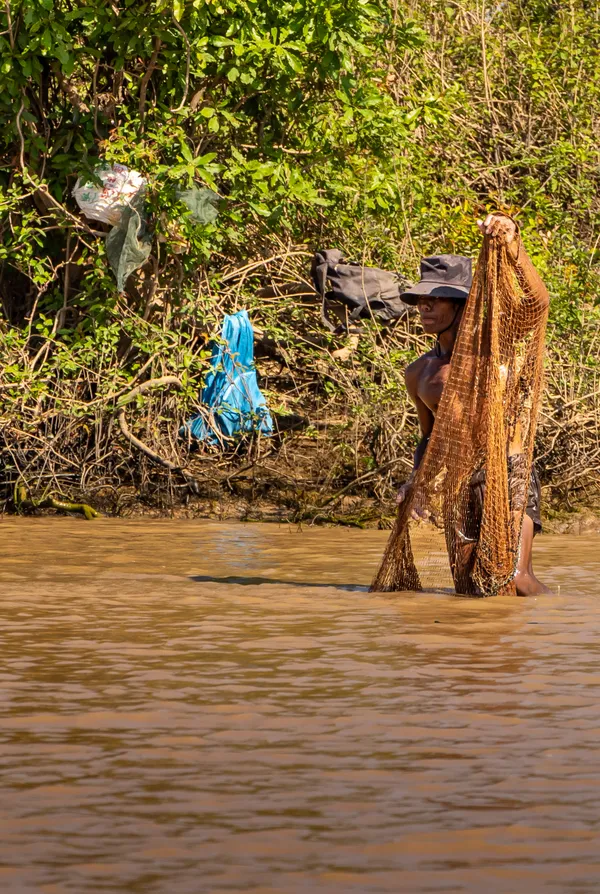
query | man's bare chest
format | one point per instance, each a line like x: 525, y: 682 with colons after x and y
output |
x: 432, y: 382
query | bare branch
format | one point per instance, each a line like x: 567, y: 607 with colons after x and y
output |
x: 187, y: 65
x: 149, y: 385
x: 146, y: 78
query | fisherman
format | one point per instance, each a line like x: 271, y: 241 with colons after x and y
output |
x: 440, y: 297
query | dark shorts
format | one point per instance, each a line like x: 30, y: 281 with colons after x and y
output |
x: 534, y: 491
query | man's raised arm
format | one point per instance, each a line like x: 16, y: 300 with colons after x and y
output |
x: 535, y: 294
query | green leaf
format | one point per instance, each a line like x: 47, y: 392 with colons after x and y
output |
x: 294, y: 63
x: 186, y: 152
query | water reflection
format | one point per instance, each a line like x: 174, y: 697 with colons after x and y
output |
x: 199, y: 707
x: 259, y: 581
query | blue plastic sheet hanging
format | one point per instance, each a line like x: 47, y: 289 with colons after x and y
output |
x: 233, y: 402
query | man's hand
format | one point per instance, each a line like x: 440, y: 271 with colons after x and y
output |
x: 404, y: 491
x: 417, y: 512
x: 503, y: 228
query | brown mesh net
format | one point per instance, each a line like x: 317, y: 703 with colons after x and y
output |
x: 473, y: 480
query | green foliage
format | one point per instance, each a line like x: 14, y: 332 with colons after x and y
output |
x: 280, y: 106
x: 519, y: 134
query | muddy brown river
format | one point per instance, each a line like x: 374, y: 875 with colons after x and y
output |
x: 202, y: 707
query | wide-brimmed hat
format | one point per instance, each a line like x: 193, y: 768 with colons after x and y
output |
x: 442, y: 276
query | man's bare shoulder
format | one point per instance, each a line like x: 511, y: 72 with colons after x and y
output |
x: 415, y: 369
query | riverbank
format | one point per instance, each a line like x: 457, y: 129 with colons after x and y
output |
x: 344, y: 427
x: 241, y: 502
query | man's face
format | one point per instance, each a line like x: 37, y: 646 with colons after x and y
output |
x: 436, y: 314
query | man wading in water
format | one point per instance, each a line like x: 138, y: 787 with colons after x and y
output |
x: 440, y: 296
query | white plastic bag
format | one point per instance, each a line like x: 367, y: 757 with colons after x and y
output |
x: 120, y: 186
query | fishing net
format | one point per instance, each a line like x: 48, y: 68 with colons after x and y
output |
x: 473, y: 481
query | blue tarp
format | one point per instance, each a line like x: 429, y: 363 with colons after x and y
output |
x: 231, y: 396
